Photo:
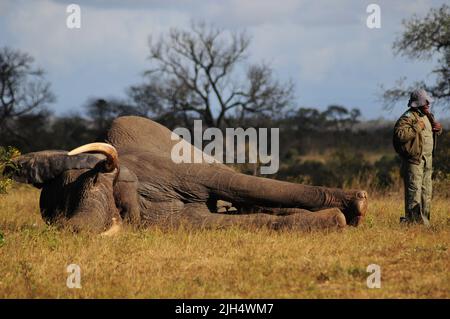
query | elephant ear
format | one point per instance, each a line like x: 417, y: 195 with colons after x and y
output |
x: 140, y: 133
x: 40, y: 167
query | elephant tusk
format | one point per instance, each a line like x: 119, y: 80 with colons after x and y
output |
x: 115, y: 228
x: 103, y: 148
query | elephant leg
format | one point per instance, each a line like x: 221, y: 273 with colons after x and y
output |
x: 198, y: 216
x: 279, y: 211
x: 325, y: 218
x: 244, y: 190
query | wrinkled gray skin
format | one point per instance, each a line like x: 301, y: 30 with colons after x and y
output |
x: 149, y: 189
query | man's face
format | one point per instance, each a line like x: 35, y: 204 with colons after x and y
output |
x: 425, y: 108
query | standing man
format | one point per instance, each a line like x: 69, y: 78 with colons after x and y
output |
x: 415, y: 140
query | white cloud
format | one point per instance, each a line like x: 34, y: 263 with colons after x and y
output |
x: 252, y: 12
x: 111, y: 37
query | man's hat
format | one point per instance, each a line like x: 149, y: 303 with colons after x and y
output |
x: 419, y: 98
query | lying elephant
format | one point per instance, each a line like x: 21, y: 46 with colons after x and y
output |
x: 132, y: 179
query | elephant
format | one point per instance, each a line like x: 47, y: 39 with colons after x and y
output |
x: 131, y: 179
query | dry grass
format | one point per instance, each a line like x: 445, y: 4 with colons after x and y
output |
x: 227, y: 263
x: 370, y: 157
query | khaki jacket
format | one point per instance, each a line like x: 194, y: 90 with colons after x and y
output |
x: 407, y: 137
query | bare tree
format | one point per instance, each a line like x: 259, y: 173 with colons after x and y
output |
x: 201, y: 73
x: 424, y: 39
x: 23, y: 89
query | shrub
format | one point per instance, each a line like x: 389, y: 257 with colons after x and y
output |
x: 6, y: 156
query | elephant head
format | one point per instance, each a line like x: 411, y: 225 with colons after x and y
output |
x: 81, y: 189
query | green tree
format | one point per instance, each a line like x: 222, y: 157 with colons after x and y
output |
x: 425, y: 39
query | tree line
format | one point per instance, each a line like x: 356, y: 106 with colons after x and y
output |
x: 204, y: 72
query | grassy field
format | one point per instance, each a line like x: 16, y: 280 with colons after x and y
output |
x: 233, y: 263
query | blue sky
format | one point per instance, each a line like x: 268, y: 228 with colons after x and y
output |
x: 325, y: 47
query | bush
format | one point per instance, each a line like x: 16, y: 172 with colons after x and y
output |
x: 6, y: 155
x: 387, y: 170
x: 345, y: 168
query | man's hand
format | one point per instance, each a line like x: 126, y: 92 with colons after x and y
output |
x: 437, y: 127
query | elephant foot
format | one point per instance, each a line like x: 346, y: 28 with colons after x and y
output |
x: 114, y: 229
x: 223, y: 207
x: 356, y: 207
